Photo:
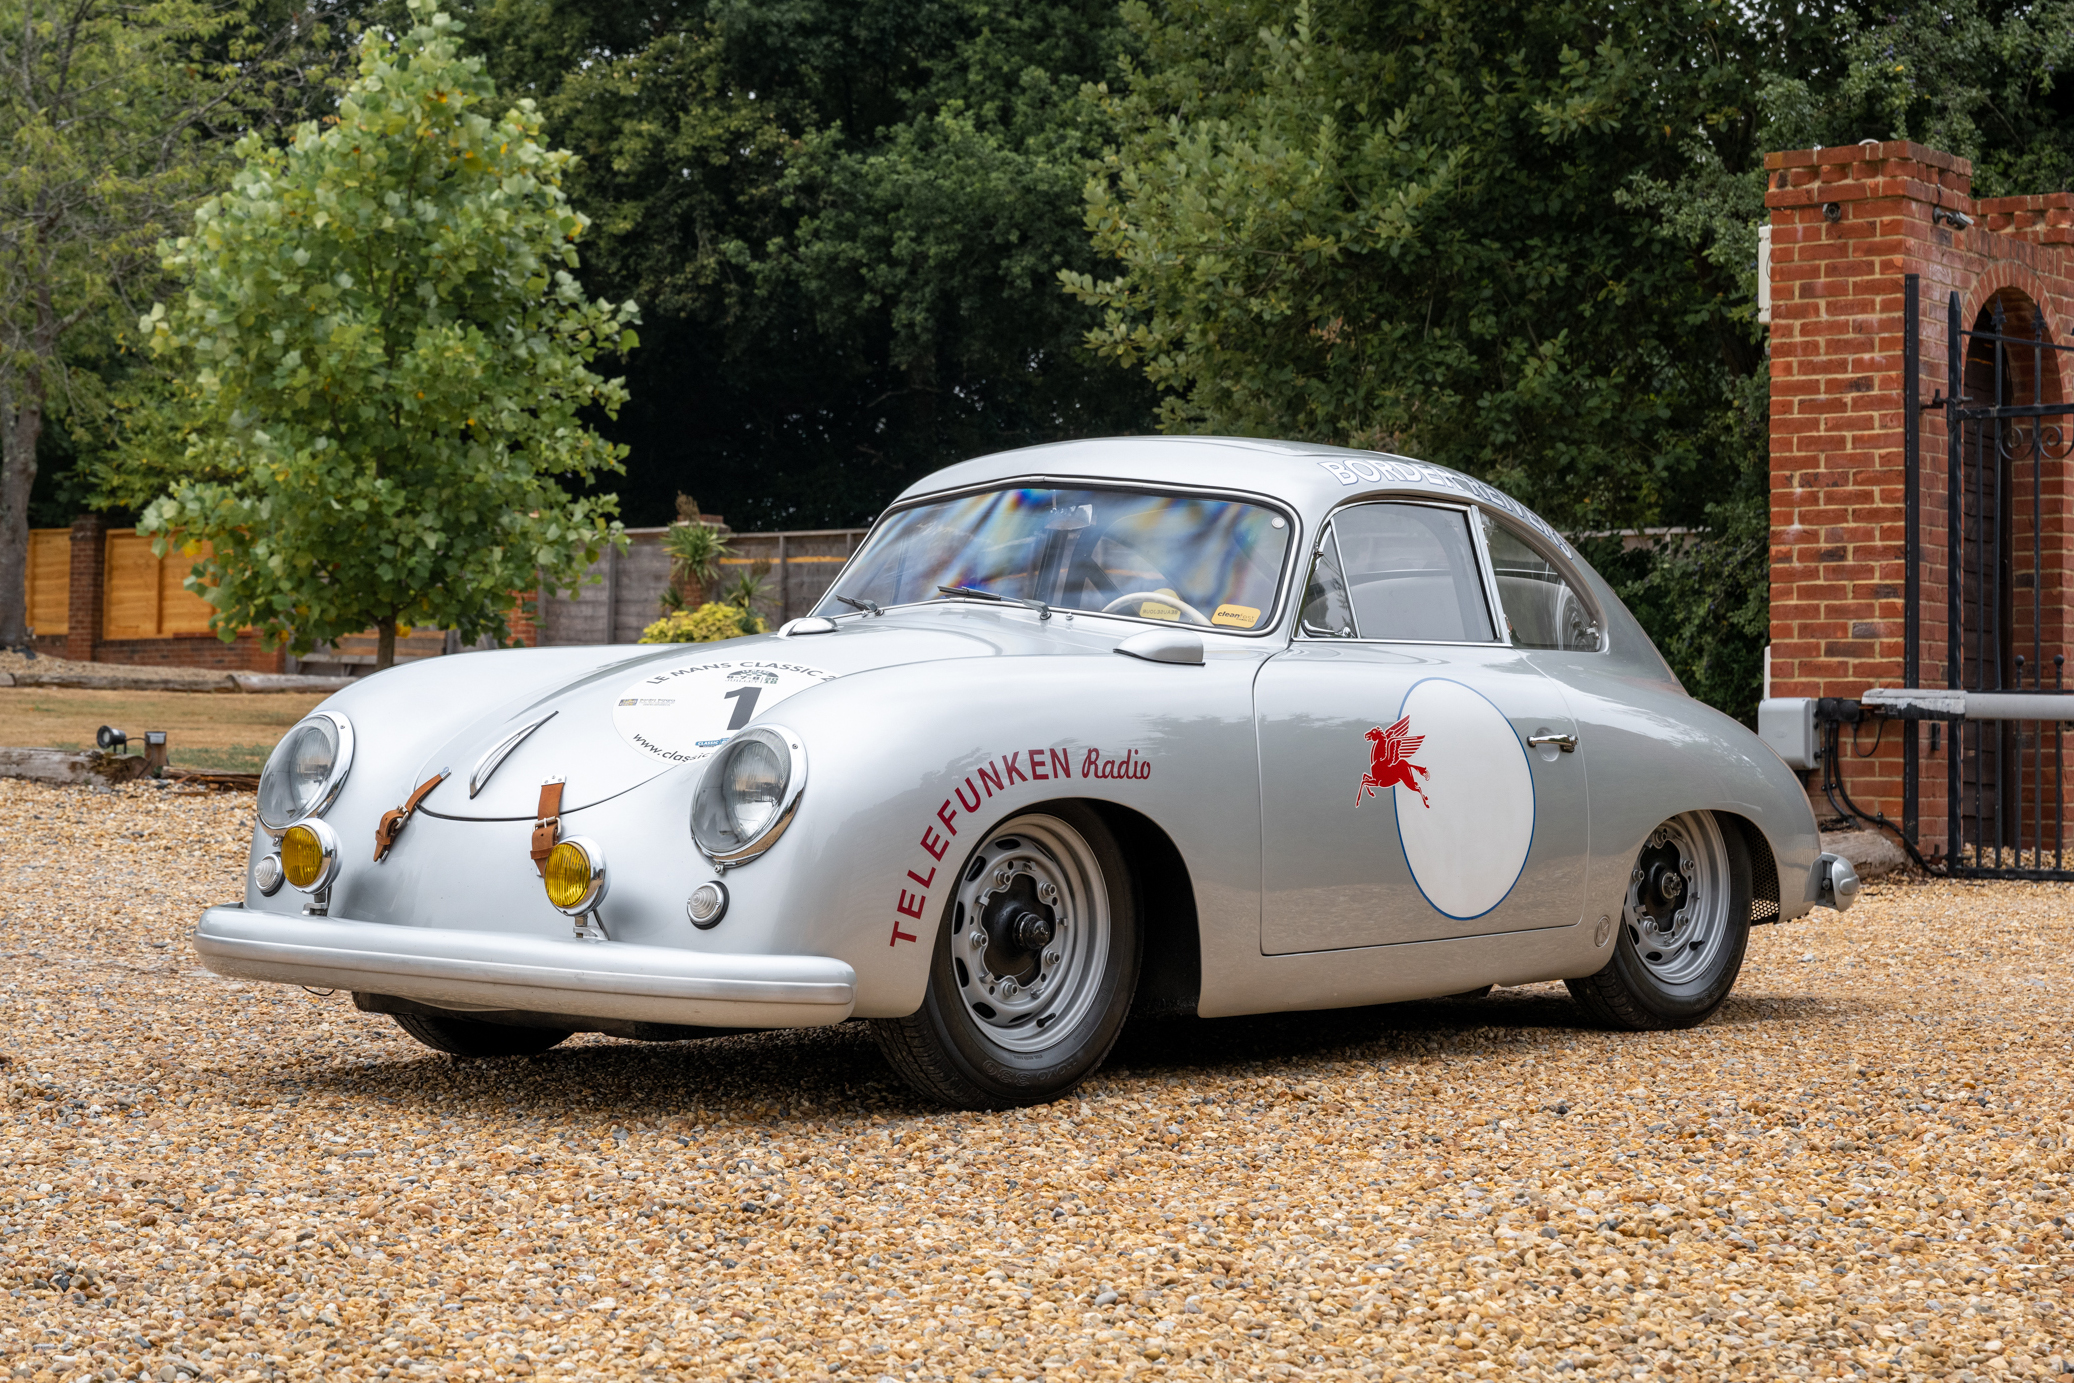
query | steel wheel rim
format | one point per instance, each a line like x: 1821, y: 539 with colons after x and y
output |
x: 1680, y: 931
x: 1027, y: 998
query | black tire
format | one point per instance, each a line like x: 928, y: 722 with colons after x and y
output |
x: 975, y: 1046
x: 471, y: 1037
x: 1650, y: 986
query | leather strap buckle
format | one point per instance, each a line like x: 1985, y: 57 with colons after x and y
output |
x: 547, y: 824
x: 396, y: 818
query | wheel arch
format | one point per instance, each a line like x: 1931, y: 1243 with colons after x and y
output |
x: 1762, y: 862
x: 1170, y: 973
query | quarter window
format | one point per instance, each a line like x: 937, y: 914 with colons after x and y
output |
x: 1409, y: 573
x: 1326, y: 613
x: 1542, y: 608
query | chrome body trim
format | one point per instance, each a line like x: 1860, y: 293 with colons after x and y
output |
x: 498, y: 752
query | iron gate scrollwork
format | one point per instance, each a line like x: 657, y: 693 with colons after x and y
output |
x: 2008, y: 435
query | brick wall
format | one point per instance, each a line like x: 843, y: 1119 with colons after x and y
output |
x: 1847, y: 225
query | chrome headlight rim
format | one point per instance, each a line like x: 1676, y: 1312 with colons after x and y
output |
x: 327, y: 846
x: 599, y: 880
x: 341, y: 765
x: 709, y: 786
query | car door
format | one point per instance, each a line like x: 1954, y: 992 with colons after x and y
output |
x: 1420, y: 778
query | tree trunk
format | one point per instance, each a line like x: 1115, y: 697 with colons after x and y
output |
x: 385, y: 645
x: 21, y: 423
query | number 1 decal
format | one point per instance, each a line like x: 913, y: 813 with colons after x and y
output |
x: 745, y: 705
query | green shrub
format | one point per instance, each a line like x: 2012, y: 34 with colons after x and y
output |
x: 710, y: 623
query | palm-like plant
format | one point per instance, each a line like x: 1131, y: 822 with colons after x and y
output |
x: 747, y: 587
x: 695, y: 549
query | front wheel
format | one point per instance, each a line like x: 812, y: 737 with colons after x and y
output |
x: 472, y: 1037
x: 1683, y: 930
x: 1034, y: 965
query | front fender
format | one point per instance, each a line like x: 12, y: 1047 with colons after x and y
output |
x: 908, y: 769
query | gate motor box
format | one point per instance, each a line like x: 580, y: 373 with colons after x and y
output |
x: 1786, y: 724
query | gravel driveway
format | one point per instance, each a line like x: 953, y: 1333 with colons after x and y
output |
x: 1857, y: 1169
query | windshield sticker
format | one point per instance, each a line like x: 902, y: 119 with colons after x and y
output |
x: 995, y: 775
x: 1235, y: 616
x: 1397, y: 471
x: 681, y: 716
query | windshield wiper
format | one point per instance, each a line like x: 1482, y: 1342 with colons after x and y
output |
x: 1043, y: 610
x: 870, y: 607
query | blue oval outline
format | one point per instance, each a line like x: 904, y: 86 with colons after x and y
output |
x: 1533, y: 803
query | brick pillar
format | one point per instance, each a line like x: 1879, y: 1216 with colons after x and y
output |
x: 88, y: 579
x: 1847, y: 224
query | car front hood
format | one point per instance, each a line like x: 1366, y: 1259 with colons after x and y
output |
x: 616, y: 727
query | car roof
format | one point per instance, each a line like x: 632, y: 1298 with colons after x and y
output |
x: 1309, y: 477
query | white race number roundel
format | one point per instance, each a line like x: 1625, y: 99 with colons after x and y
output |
x: 683, y: 715
x: 1466, y: 817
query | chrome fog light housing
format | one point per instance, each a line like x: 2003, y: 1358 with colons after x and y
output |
x: 707, y: 904
x: 748, y: 794
x: 309, y: 856
x: 575, y: 875
x: 303, y: 775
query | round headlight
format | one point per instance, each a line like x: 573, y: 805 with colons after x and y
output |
x: 303, y: 775
x: 576, y: 875
x: 748, y: 794
x: 309, y: 855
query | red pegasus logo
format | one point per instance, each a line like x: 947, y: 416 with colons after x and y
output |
x: 1389, y: 761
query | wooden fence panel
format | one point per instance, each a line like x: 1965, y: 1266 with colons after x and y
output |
x: 622, y: 592
x: 142, y: 597
x: 50, y: 580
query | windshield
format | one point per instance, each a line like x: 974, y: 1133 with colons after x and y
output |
x: 1175, y: 558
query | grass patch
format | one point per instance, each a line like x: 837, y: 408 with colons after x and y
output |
x: 224, y: 731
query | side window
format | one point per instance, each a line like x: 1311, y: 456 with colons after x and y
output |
x: 1542, y: 608
x: 1411, y: 574
x: 1326, y: 614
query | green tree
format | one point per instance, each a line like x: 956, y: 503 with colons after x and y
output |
x: 841, y: 218
x: 112, y: 116
x: 386, y: 352
x: 1518, y: 237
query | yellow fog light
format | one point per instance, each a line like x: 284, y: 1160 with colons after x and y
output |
x: 309, y: 855
x: 576, y: 876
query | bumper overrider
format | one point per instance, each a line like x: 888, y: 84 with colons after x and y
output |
x: 491, y: 971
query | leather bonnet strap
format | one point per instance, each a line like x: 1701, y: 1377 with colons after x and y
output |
x: 547, y: 824
x: 393, y: 820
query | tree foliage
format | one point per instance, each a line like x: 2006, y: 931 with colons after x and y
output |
x: 1518, y: 237
x: 386, y: 351
x: 112, y: 116
x: 842, y: 219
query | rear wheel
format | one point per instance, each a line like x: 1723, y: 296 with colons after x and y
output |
x: 471, y: 1037
x: 1683, y: 930
x: 1034, y: 965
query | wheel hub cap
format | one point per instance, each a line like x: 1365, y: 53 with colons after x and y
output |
x: 1029, y: 933
x: 1677, y: 904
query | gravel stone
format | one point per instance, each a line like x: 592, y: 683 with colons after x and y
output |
x: 1858, y: 1169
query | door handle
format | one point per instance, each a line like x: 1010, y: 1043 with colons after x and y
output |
x: 1566, y: 743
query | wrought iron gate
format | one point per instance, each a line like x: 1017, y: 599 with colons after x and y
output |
x: 2007, y: 433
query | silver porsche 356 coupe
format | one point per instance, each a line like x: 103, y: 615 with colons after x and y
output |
x: 1186, y: 724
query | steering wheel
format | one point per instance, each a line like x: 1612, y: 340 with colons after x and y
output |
x: 1162, y: 597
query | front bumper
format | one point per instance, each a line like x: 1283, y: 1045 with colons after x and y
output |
x: 493, y: 970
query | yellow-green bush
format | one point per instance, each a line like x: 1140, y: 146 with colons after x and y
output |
x: 711, y: 622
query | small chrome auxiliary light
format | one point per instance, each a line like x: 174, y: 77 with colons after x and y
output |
x: 309, y: 861
x: 576, y: 883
